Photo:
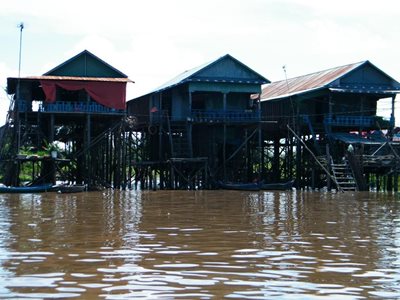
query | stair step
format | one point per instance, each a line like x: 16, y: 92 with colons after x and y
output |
x: 344, y: 176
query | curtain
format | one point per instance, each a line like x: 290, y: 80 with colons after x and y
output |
x: 110, y: 94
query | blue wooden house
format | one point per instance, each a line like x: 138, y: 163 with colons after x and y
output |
x: 205, y: 115
x: 329, y: 110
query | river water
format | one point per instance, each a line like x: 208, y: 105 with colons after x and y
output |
x: 200, y: 245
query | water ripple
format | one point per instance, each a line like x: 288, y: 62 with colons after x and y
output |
x: 200, y: 245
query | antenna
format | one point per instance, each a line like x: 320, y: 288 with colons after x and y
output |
x: 21, y: 27
x: 290, y: 97
x: 287, y: 84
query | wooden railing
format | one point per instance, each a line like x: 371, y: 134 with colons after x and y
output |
x: 347, y: 120
x: 200, y: 115
x: 209, y: 116
x: 77, y: 107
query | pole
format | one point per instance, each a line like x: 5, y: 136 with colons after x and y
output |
x: 21, y: 27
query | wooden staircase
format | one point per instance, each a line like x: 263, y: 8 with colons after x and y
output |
x: 344, y: 176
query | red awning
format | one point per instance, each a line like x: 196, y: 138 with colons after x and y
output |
x: 110, y: 94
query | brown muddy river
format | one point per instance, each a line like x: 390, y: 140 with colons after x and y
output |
x: 200, y: 245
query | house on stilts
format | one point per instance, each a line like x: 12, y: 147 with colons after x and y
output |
x: 327, y: 121
x: 200, y: 127
x: 219, y: 122
x: 78, y: 107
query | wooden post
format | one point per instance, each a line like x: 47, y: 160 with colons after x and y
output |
x: 87, y: 171
x: 189, y: 128
x: 392, y: 118
x: 224, y: 138
x: 378, y: 184
x: 52, y: 168
x: 246, y: 158
x: 275, y: 162
x: 362, y: 98
x: 330, y: 113
x: 389, y: 183
x: 124, y: 158
x: 384, y: 182
x: 190, y: 104
x: 172, y: 185
x: 289, y: 157
x: 160, y: 129
x: 329, y: 163
x: 155, y: 178
x: 259, y: 154
x: 313, y: 176
x: 150, y: 177
x: 51, y: 136
x: 298, y: 162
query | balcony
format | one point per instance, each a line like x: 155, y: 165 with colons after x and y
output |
x: 231, y: 116
x: 77, y: 107
x: 351, y: 121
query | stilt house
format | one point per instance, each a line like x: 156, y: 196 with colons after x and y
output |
x: 328, y: 111
x: 75, y: 107
x: 201, y: 126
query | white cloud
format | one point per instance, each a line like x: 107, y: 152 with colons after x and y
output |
x: 351, y: 8
x: 152, y: 41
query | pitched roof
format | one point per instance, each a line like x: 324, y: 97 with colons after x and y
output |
x: 200, y: 74
x: 324, y: 79
x: 84, y: 53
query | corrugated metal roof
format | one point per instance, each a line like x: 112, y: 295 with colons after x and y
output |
x: 306, y: 83
x: 190, y: 74
x: 181, y: 78
x: 48, y: 77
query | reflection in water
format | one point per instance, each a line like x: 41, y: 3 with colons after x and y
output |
x: 199, y: 245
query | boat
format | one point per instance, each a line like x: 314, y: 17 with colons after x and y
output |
x: 253, y: 186
x: 69, y: 188
x: 280, y: 186
x: 26, y: 189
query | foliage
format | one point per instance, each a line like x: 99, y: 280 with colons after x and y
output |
x: 29, y: 151
x: 53, y: 146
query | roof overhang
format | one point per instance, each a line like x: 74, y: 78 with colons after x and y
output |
x: 49, y: 77
x: 352, y: 138
x: 372, y: 90
x: 12, y: 81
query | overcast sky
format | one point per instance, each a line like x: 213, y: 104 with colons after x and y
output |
x: 152, y: 41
